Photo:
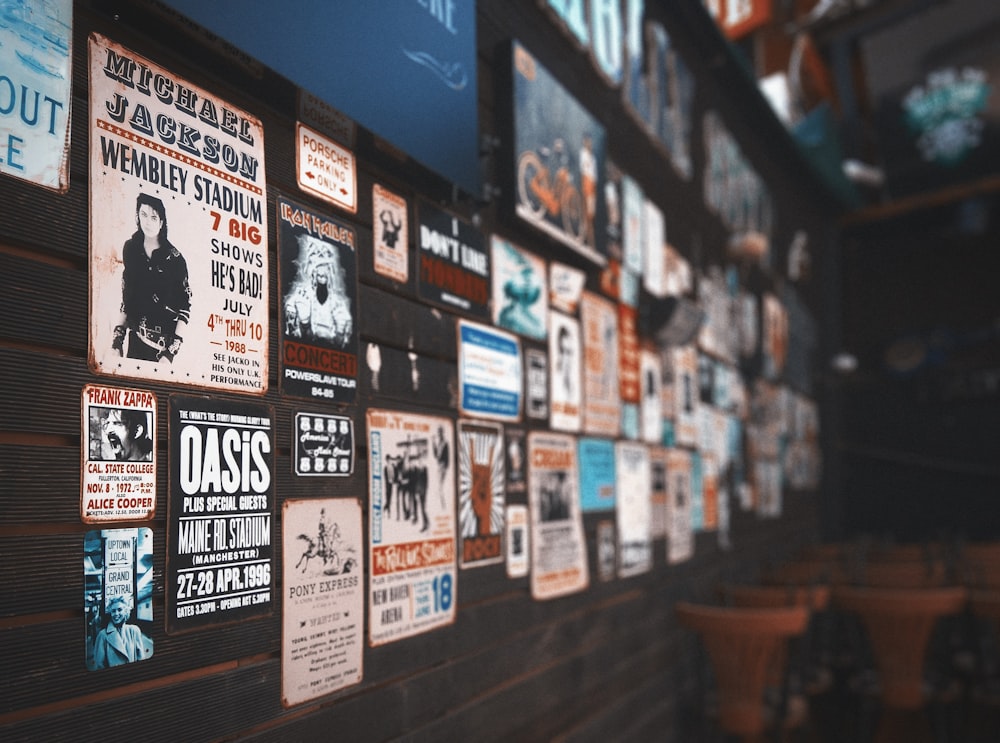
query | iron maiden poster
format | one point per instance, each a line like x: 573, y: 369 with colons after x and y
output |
x: 118, y: 596
x: 520, y: 294
x: 219, y: 548
x: 412, y: 547
x: 319, y: 305
x: 322, y: 607
x: 558, y: 547
x: 633, y: 509
x: 118, y: 481
x: 178, y: 229
x: 481, y: 497
x: 35, y: 43
x: 559, y: 150
x: 601, y: 406
x: 453, y: 263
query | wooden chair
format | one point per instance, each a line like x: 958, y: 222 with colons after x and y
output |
x: 905, y: 552
x: 980, y: 552
x: 741, y: 645
x: 899, y: 623
x: 814, y: 678
x: 804, y: 572
x: 979, y: 565
x: 983, y: 716
x: 815, y: 597
x: 905, y: 574
x: 827, y: 551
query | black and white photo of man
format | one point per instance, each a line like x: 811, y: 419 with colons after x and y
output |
x: 554, y: 497
x: 565, y: 372
x: 566, y: 367
x: 120, y: 434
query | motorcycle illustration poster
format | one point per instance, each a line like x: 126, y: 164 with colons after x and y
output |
x: 559, y: 160
x: 323, y: 597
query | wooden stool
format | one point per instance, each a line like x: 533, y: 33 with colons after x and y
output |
x: 815, y: 598
x: 741, y: 645
x: 807, y: 573
x: 979, y: 565
x: 899, y: 622
x: 905, y: 574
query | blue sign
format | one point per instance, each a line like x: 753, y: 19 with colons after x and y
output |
x: 407, y: 71
x: 597, y: 474
x: 489, y: 371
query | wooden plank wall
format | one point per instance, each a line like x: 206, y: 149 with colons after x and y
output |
x: 607, y: 663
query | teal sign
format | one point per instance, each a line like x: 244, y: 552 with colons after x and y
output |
x: 944, y: 114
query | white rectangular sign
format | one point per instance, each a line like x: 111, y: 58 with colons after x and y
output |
x: 178, y: 229
x: 323, y: 605
x: 412, y: 545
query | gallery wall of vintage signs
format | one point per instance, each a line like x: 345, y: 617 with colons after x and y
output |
x: 298, y: 439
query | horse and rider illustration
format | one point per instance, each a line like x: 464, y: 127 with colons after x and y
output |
x: 327, y: 547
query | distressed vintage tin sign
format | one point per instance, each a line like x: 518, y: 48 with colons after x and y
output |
x: 517, y: 541
x: 481, y: 492
x: 601, y: 402
x: 633, y: 508
x: 220, y: 554
x: 453, y: 263
x: 118, y: 482
x: 36, y: 91
x: 520, y: 296
x: 412, y: 545
x: 118, y: 596
x: 319, y: 305
x: 565, y: 349
x: 324, y: 445
x: 178, y: 229
x: 325, y: 169
x: 323, y: 610
x: 680, y: 537
x: 536, y: 403
x: 558, y: 546
x: 390, y: 234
